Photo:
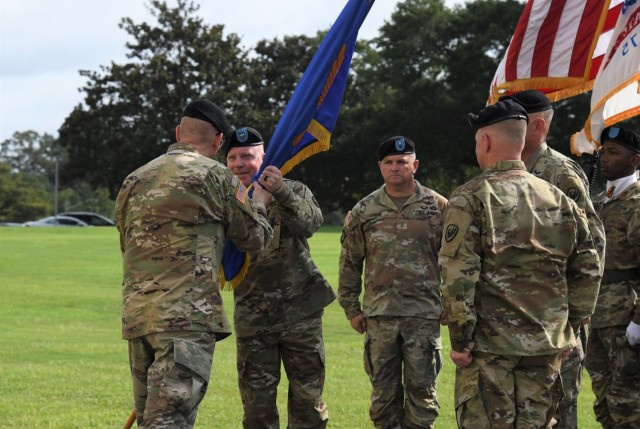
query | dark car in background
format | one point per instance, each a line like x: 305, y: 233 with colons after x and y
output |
x: 90, y: 218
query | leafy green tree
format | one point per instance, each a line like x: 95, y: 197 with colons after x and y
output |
x: 273, y: 70
x: 31, y: 154
x: 131, y: 110
x: 426, y: 70
x: 22, y: 197
x: 82, y: 197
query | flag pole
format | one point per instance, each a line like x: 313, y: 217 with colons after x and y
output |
x: 130, y: 420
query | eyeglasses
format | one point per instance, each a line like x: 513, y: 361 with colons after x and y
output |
x: 222, y: 140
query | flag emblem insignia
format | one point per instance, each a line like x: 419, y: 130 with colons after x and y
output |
x: 241, y: 193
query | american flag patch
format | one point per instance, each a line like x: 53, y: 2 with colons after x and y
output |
x: 241, y: 193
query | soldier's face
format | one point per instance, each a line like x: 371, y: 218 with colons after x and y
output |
x: 398, y: 170
x: 617, y: 161
x: 245, y: 162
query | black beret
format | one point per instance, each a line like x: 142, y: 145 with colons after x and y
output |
x: 207, y: 111
x: 243, y: 137
x: 532, y: 100
x: 621, y: 136
x: 396, y: 145
x: 501, y: 111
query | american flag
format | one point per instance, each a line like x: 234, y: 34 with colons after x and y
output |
x: 557, y: 48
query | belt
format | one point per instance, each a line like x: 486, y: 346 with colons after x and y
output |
x: 614, y: 276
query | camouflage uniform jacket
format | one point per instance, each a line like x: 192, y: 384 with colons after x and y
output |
x: 173, y: 215
x: 566, y: 174
x: 518, y: 263
x: 619, y: 302
x: 401, y: 251
x: 283, y: 284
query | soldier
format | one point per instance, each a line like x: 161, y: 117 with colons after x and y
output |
x: 174, y: 215
x: 613, y: 361
x: 520, y: 275
x: 280, y: 302
x: 397, y: 230
x: 557, y: 169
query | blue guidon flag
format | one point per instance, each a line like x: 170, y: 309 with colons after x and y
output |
x: 311, y: 114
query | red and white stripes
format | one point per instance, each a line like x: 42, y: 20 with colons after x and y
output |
x: 557, y: 47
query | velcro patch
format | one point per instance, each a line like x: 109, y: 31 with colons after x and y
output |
x: 348, y: 218
x: 458, y: 222
x: 241, y: 193
x: 574, y: 194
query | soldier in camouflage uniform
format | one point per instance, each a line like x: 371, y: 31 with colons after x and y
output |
x: 557, y: 169
x: 397, y: 231
x: 520, y: 275
x: 174, y: 215
x: 613, y: 361
x: 280, y: 302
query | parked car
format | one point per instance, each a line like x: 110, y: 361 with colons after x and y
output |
x: 60, y: 221
x: 91, y: 218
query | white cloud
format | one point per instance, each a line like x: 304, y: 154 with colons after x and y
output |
x: 44, y: 44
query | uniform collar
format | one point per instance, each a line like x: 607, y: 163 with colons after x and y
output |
x: 506, y: 165
x: 535, y: 156
x: 181, y: 146
x: 621, y: 185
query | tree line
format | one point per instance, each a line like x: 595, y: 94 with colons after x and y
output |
x: 419, y: 77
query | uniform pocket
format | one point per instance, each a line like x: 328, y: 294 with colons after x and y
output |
x: 190, y: 375
x: 470, y: 412
x: 368, y: 365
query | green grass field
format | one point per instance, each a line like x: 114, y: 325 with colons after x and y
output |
x: 64, y: 365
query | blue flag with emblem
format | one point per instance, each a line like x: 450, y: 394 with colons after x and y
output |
x: 310, y: 116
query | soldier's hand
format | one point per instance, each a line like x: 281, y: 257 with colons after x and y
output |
x: 444, y: 319
x: 270, y: 179
x: 359, y: 323
x: 567, y: 353
x: 260, y: 194
x: 633, y: 333
x: 461, y: 359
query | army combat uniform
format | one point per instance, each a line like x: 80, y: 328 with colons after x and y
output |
x: 401, y: 301
x: 561, y: 171
x: 277, y: 318
x: 612, y: 363
x: 173, y: 215
x: 520, y: 274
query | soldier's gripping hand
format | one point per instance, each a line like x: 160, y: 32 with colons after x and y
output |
x: 270, y: 179
x: 633, y: 333
x: 260, y: 194
x: 359, y: 323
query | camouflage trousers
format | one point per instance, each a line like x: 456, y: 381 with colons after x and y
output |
x: 501, y: 392
x: 300, y: 349
x: 170, y: 373
x: 402, y: 359
x: 614, y: 368
x: 571, y: 373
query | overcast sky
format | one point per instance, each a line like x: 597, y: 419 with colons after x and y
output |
x: 44, y: 43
